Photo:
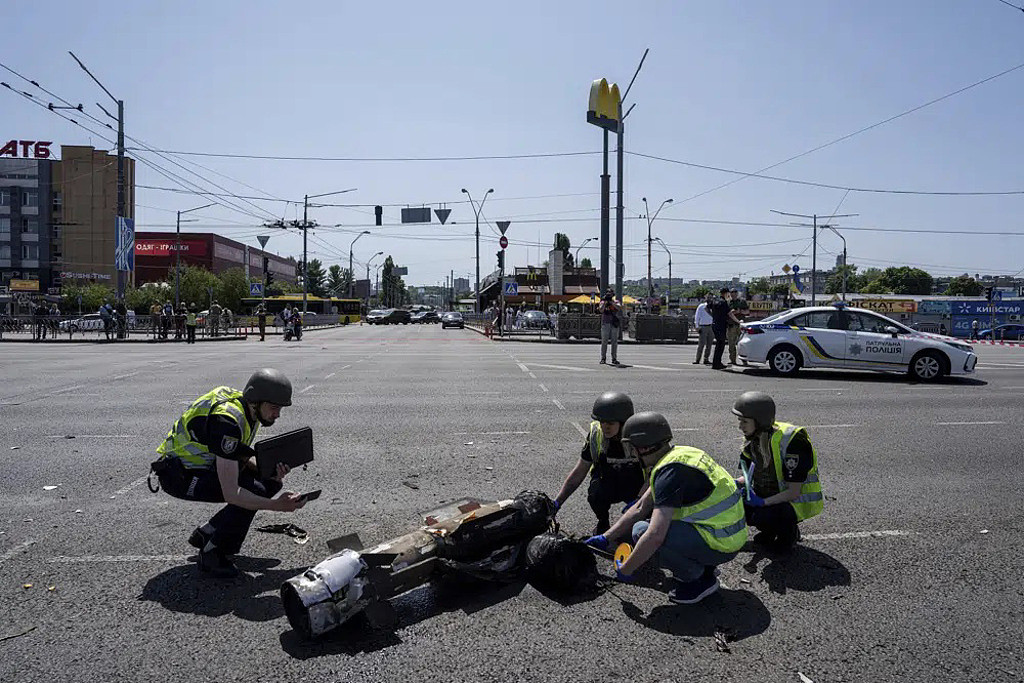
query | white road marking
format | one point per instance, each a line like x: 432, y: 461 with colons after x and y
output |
x: 346, y: 367
x: 712, y: 391
x: 818, y: 389
x: 533, y: 376
x: 543, y: 388
x: 95, y: 436
x: 558, y: 403
x: 130, y: 374
x: 830, y: 426
x: 330, y: 375
x: 302, y: 391
x: 20, y: 548
x: 65, y: 390
x: 485, y: 433
x: 64, y: 559
x: 523, y: 367
x: 562, y: 367
x: 653, y: 367
x: 961, y: 424
x: 129, y: 487
x: 1015, y: 388
x: 858, y: 534
x: 579, y: 429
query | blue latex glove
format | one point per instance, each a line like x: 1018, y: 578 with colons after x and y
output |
x: 755, y: 501
x: 558, y: 506
x: 600, y: 542
x: 629, y: 505
x: 624, y: 578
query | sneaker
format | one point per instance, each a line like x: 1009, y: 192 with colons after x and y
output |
x: 217, y: 563
x: 688, y: 593
x: 604, y: 362
x: 696, y: 362
x: 707, y: 362
x: 615, y: 361
x: 786, y: 539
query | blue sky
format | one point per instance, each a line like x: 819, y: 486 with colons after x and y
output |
x: 738, y: 85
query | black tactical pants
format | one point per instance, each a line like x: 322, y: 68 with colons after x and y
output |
x: 777, y: 521
x: 614, y: 486
x: 231, y: 524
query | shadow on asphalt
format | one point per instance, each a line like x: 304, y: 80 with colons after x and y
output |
x: 802, y: 569
x: 860, y: 376
x: 734, y: 615
x: 184, y: 589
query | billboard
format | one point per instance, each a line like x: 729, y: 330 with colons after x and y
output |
x: 24, y: 285
x: 124, y: 247
x: 984, y: 308
x: 167, y: 247
x: 417, y: 214
x: 887, y: 305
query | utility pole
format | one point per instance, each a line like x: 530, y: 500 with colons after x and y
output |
x: 576, y: 259
x: 476, y: 305
x: 368, y: 262
x: 451, y: 284
x: 650, y: 222
x: 305, y: 228
x: 177, y: 252
x: 814, y: 240
x: 845, y: 271
x: 121, y: 275
x: 351, y: 276
x: 668, y: 302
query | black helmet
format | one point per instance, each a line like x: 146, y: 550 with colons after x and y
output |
x: 646, y: 429
x: 612, y: 406
x: 758, y: 406
x: 268, y: 385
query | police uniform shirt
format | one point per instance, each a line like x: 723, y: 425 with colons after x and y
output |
x: 222, y: 436
x: 678, y: 485
x: 796, y: 463
x: 720, y: 313
x: 612, y: 451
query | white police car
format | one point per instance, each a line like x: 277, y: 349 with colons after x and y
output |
x: 852, y: 338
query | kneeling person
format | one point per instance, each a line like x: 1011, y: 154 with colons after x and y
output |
x: 614, y: 477
x: 780, y: 472
x: 696, y: 514
x: 206, y: 458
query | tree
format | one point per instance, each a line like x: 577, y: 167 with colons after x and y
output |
x: 964, y: 286
x: 700, y: 291
x: 233, y: 288
x: 759, y: 285
x: 316, y: 278
x: 834, y: 283
x: 196, y: 283
x: 93, y: 296
x: 562, y: 242
x: 585, y: 263
x: 141, y: 299
x: 338, y: 280
x: 778, y: 290
x: 875, y: 287
x: 393, y: 293
x: 907, y: 280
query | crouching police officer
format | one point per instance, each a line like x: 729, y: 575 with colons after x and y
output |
x: 696, y: 514
x: 780, y: 472
x: 614, y: 477
x: 208, y: 457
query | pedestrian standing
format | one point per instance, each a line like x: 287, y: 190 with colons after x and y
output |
x: 705, y: 337
x: 975, y: 325
x: 179, y: 321
x: 190, y: 325
x: 166, y: 318
x: 214, y: 318
x: 721, y: 314
x: 154, y: 318
x: 611, y: 319
x: 739, y: 308
x: 261, y: 320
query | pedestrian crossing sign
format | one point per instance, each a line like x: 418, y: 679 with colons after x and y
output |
x: 255, y: 289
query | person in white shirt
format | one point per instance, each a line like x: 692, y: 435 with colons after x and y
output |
x: 705, y: 337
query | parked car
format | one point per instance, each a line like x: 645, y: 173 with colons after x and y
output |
x: 537, y: 320
x: 389, y: 316
x: 851, y: 338
x: 425, y: 317
x: 1009, y: 332
x: 453, y: 319
x: 376, y: 317
x: 92, y: 321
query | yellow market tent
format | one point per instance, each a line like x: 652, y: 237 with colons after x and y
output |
x: 583, y: 299
x: 626, y: 299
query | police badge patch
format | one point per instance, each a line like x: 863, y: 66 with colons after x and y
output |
x: 228, y: 444
x: 791, y: 462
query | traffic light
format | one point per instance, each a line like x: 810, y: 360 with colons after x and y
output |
x: 378, y: 212
x: 501, y: 260
x: 988, y: 293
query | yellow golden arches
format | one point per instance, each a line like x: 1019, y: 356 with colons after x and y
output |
x: 604, y: 107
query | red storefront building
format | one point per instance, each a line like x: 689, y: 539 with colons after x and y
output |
x: 155, y: 256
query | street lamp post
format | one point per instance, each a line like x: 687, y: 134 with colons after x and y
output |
x: 305, y: 229
x: 650, y: 222
x: 814, y: 240
x: 351, y: 273
x: 379, y: 253
x: 177, y: 252
x: 668, y: 302
x: 844, y: 257
x: 576, y: 260
x: 477, y: 211
x: 376, y: 277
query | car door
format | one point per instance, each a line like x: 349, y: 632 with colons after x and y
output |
x: 869, y: 345
x: 822, y: 337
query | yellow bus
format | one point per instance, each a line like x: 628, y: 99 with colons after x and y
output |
x: 343, y: 308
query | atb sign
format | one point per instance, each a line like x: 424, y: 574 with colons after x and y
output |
x: 255, y: 289
x: 510, y: 289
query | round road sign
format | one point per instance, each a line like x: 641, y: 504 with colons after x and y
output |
x: 503, y: 241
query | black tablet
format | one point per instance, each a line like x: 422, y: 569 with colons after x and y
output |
x: 293, y: 448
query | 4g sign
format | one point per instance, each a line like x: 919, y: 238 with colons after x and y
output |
x: 29, y: 149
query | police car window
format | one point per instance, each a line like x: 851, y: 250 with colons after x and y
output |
x: 815, y: 319
x: 871, y: 323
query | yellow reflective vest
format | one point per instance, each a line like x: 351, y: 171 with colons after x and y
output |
x: 719, y: 518
x: 181, y: 444
x: 810, y: 502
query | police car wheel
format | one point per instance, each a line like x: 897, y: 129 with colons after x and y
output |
x: 784, y: 360
x: 927, y: 366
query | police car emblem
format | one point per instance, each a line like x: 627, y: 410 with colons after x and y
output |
x: 228, y: 444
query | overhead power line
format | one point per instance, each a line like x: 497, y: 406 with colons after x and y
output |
x: 1010, y: 4
x: 271, y: 157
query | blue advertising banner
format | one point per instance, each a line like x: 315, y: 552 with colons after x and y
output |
x: 124, y: 246
x: 934, y: 307
x: 984, y: 308
x: 961, y: 324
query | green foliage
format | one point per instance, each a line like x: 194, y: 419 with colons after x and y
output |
x: 281, y: 287
x: 93, y: 295
x: 585, y: 263
x: 875, y: 287
x: 779, y: 290
x: 195, y: 286
x: 700, y: 291
x: 759, y: 285
x: 338, y: 281
x: 562, y: 242
x: 907, y: 280
x: 392, y: 287
x: 834, y: 283
x: 233, y: 287
x: 316, y: 278
x: 141, y: 299
x: 964, y: 286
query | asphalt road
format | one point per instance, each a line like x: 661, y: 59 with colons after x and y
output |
x: 912, y: 573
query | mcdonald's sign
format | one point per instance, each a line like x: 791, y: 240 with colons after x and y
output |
x: 605, y: 105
